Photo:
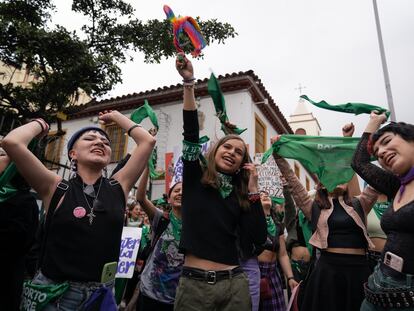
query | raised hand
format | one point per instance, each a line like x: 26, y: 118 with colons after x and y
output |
x: 184, y: 67
x: 375, y: 121
x: 274, y: 139
x: 348, y: 130
x: 107, y: 116
x: 253, y: 177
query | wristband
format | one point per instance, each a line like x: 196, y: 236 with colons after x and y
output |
x: 290, y: 278
x: 132, y: 127
x: 40, y: 123
x: 189, y: 80
x: 188, y: 85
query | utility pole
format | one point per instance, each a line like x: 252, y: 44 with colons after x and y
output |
x: 384, y: 63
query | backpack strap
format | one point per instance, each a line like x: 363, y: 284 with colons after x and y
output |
x: 61, y: 189
x: 356, y: 204
x: 162, y: 225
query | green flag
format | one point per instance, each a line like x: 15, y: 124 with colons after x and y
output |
x: 145, y: 111
x: 355, y: 108
x: 327, y: 157
x: 216, y: 94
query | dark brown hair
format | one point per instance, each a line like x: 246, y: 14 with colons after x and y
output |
x: 240, y: 179
x: 322, y: 197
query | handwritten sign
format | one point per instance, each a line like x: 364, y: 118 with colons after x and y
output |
x: 131, y: 238
x: 269, y: 176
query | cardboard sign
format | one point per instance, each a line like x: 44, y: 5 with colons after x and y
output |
x: 269, y: 176
x: 131, y: 238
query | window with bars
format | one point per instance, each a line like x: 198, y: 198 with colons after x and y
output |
x: 118, y: 141
x: 53, y: 150
x: 260, y: 137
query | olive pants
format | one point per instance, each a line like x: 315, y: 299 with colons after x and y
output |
x: 225, y: 295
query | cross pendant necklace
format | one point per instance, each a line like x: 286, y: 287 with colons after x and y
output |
x: 91, y: 214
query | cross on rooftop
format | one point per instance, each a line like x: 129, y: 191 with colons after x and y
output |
x: 300, y: 88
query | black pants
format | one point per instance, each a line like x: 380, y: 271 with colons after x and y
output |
x: 148, y: 304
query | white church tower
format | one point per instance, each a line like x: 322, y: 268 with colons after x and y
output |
x: 303, y: 122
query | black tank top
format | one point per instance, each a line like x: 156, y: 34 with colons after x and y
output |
x: 343, y: 231
x: 76, y: 250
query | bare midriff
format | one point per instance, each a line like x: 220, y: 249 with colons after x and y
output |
x: 350, y: 251
x: 300, y: 253
x: 267, y: 256
x: 379, y: 244
x: 204, y: 264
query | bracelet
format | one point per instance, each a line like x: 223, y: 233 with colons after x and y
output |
x: 290, y: 278
x: 189, y: 80
x: 132, y: 127
x: 188, y: 85
x: 254, y: 197
x: 40, y: 123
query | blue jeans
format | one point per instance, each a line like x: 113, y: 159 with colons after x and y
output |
x: 379, y: 281
x: 74, y: 298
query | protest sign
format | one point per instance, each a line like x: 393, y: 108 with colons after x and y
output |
x: 131, y: 238
x: 269, y: 176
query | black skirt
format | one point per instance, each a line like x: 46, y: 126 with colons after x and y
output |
x: 336, y: 283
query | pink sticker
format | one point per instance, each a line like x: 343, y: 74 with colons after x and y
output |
x: 79, y: 212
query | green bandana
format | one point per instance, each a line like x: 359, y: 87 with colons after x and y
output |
x: 220, y: 105
x: 161, y: 202
x: 380, y: 208
x: 271, y: 227
x: 225, y: 184
x: 192, y: 151
x: 276, y: 200
x: 306, y: 230
x: 176, y: 225
x: 145, y: 111
x: 145, y: 237
x: 36, y: 297
x: 328, y: 157
x: 355, y: 108
x: 6, y: 189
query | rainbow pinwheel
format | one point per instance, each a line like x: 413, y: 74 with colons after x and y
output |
x: 188, y: 25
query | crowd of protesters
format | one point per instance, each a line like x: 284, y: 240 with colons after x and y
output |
x: 217, y: 243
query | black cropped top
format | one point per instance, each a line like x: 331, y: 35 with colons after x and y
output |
x: 343, y: 231
x: 398, y: 225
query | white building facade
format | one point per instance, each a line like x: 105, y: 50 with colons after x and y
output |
x: 248, y: 105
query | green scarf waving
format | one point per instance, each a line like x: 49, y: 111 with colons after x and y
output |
x: 355, y: 108
x: 220, y: 105
x: 328, y: 157
x: 143, y: 112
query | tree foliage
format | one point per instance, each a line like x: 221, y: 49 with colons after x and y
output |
x: 66, y: 62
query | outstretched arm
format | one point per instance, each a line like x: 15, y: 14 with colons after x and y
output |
x: 42, y: 180
x: 353, y: 185
x: 141, y: 195
x: 285, y: 263
x: 383, y: 181
x: 185, y: 69
x: 299, y: 193
x: 129, y: 174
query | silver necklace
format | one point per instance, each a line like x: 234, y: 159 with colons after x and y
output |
x: 91, y: 214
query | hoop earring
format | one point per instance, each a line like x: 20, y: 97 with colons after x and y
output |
x: 73, y: 169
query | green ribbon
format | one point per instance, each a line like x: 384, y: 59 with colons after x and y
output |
x: 355, y: 108
x: 380, y: 208
x: 328, y: 157
x: 145, y: 111
x: 160, y: 202
x: 271, y: 227
x: 225, y: 184
x: 192, y: 151
x: 216, y: 94
x: 306, y: 230
x: 36, y: 296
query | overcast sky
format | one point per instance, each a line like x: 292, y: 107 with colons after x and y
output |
x: 329, y: 46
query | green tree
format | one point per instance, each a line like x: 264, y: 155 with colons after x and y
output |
x: 66, y: 62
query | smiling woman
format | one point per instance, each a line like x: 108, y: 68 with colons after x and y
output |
x: 393, y: 145
x: 84, y: 214
x: 218, y: 200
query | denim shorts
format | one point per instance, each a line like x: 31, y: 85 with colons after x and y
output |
x: 74, y: 298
